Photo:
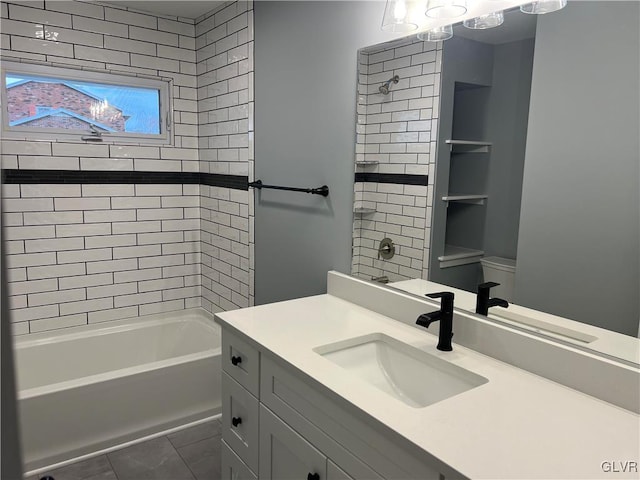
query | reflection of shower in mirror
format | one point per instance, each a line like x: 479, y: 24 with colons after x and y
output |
x: 384, y: 88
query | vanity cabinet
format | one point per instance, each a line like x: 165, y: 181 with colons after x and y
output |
x: 293, y: 428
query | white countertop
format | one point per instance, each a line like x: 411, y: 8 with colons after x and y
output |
x: 518, y: 425
x: 612, y: 344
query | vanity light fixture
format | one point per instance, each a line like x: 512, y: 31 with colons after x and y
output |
x: 543, y: 6
x: 446, y: 8
x: 483, y: 22
x: 397, y: 16
x: 436, y: 34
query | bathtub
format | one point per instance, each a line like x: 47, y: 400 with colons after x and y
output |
x: 86, y: 390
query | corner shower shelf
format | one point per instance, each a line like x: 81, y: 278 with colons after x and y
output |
x: 473, y: 199
x: 364, y: 210
x: 366, y: 163
x: 468, y: 146
x: 454, y: 256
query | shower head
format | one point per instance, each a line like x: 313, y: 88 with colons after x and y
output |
x: 384, y: 88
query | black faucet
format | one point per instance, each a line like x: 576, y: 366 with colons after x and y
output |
x: 483, y: 302
x: 445, y: 315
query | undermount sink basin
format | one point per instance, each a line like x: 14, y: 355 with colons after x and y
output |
x: 408, y: 374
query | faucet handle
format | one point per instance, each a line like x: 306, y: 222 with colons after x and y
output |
x: 487, y: 286
x: 447, y: 300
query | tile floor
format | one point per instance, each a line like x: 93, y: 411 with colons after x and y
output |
x: 191, y: 454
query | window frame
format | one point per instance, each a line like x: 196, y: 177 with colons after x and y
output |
x: 164, y: 87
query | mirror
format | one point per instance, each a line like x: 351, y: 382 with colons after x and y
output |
x: 516, y: 147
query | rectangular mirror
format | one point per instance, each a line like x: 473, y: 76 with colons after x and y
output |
x: 511, y: 150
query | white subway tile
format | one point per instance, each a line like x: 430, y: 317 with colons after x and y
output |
x: 112, y: 290
x: 49, y: 298
x: 113, y: 314
x: 33, y: 286
x: 153, y: 36
x: 110, y: 241
x: 102, y: 55
x: 77, y: 8
x: 188, y: 224
x: 136, y: 227
x: 157, y: 190
x: 161, y: 214
x: 161, y: 284
x: 100, y: 26
x: 23, y: 44
x: 86, y: 281
x: 26, y: 233
x: 66, y: 321
x: 33, y: 259
x: 69, y: 270
x: 85, y: 306
x: 82, y: 230
x: 52, y: 218
x: 137, y: 275
x: 161, y: 261
x: 137, y: 299
x: 54, y: 190
x: 97, y: 216
x: 130, y: 18
x: 142, y: 165
x: 136, y: 251
x: 14, y: 246
x: 131, y: 46
x: 82, y: 204
x: 17, y: 274
x: 128, y: 151
x: 152, y: 308
x: 39, y: 16
x: 112, y: 266
x: 27, y: 204
x: 48, y: 163
x: 163, y: 237
x: 90, y: 255
x: 135, y: 202
x: 107, y: 190
x: 180, y: 28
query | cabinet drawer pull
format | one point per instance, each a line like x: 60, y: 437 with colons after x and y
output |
x: 313, y: 476
x: 235, y: 421
x: 236, y: 360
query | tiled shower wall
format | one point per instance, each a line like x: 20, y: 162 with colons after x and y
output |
x: 95, y: 252
x: 224, y: 53
x: 396, y: 134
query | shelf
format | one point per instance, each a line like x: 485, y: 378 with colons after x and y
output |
x: 364, y: 210
x: 454, y: 256
x: 468, y: 146
x: 366, y: 163
x: 472, y: 199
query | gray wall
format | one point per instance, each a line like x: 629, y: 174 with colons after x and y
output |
x: 305, y: 116
x: 578, y: 245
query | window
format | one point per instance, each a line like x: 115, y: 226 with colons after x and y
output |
x: 41, y: 102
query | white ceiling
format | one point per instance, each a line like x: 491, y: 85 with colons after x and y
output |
x: 176, y: 8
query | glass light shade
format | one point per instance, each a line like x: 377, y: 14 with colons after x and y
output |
x: 397, y: 16
x: 483, y: 22
x: 543, y: 6
x: 436, y: 34
x: 446, y: 8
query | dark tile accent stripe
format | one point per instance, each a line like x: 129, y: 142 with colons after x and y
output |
x: 397, y: 178
x: 14, y: 176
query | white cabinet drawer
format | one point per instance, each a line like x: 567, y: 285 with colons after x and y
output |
x: 240, y: 421
x: 233, y: 468
x: 241, y: 361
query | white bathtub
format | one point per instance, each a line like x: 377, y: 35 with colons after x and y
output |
x: 87, y: 389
